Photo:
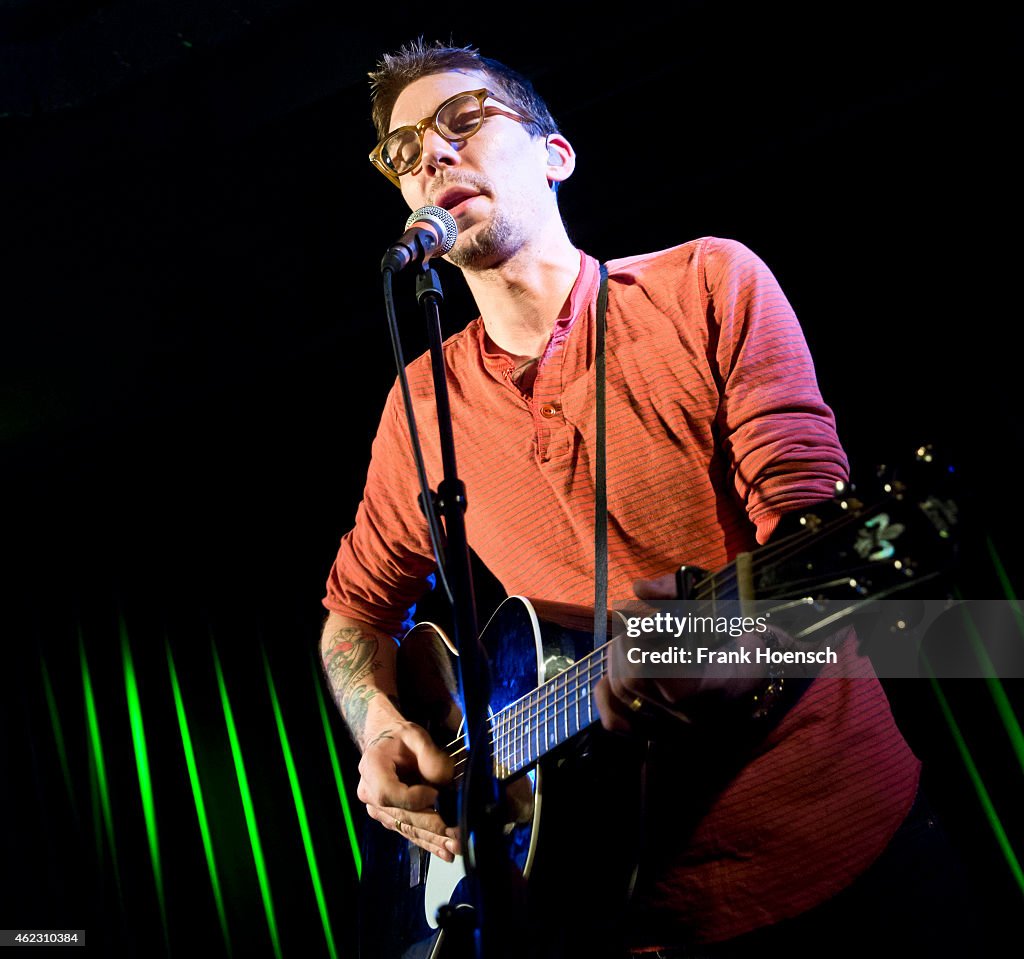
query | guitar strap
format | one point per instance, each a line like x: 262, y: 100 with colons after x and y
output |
x: 600, y: 480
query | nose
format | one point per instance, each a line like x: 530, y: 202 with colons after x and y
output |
x: 437, y: 152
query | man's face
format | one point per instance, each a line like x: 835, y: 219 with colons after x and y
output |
x: 495, y: 183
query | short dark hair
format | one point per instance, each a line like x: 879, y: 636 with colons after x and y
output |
x: 416, y: 59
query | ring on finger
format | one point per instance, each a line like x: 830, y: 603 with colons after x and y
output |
x: 637, y: 704
x: 399, y: 824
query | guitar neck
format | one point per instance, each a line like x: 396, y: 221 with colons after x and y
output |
x: 550, y: 715
x: 843, y: 551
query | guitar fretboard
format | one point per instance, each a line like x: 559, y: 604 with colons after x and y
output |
x: 553, y: 713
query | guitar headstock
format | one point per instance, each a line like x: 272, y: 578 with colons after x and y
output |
x: 897, y: 534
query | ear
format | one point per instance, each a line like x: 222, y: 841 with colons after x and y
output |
x: 561, y: 158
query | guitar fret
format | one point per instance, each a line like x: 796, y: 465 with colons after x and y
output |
x: 538, y: 726
x: 500, y: 760
x: 556, y: 712
x: 518, y: 744
x: 598, y: 665
x: 552, y: 715
x: 553, y: 712
x: 506, y: 743
x: 535, y: 743
x: 542, y: 723
x: 565, y: 712
x: 515, y: 720
x: 524, y: 742
x: 542, y: 711
x: 544, y: 703
x: 542, y: 719
x: 572, y: 720
x: 496, y: 746
x: 524, y: 732
x: 576, y: 698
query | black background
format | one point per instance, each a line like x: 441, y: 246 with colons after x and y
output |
x: 195, y: 354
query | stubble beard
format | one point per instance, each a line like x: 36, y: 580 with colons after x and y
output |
x: 492, y: 244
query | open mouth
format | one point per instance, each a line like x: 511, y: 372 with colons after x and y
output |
x: 455, y: 200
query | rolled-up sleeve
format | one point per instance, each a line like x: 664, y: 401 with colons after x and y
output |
x: 777, y: 431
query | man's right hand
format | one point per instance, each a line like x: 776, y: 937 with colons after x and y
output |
x: 401, y: 769
x: 400, y: 773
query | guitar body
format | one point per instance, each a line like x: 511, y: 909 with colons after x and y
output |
x: 572, y: 815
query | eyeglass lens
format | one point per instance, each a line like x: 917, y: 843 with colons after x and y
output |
x: 456, y: 120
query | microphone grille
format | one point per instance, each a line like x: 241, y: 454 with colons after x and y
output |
x: 444, y: 221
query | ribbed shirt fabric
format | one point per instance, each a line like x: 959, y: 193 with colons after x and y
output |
x: 715, y: 429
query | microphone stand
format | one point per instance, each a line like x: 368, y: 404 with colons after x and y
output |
x: 494, y: 882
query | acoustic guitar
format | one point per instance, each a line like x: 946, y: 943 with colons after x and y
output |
x: 573, y: 793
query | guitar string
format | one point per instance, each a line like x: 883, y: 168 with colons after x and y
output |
x: 785, y: 548
x: 534, y: 700
x: 520, y: 726
x: 548, y: 690
x: 554, y: 699
x: 537, y: 704
x: 551, y: 699
x: 584, y: 671
x: 521, y: 760
x: 523, y: 722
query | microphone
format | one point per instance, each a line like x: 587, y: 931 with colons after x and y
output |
x: 430, y: 231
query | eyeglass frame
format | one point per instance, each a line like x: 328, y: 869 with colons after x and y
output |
x: 427, y: 122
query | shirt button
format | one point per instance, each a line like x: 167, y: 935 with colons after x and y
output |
x: 547, y: 410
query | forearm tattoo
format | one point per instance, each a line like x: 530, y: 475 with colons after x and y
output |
x: 349, y: 661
